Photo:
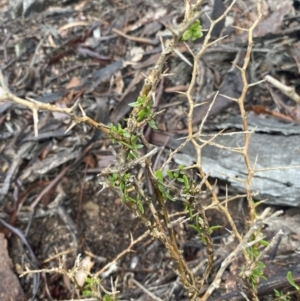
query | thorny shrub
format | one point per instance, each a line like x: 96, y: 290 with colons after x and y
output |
x: 173, y: 185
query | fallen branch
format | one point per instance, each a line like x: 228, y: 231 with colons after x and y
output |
x: 286, y: 90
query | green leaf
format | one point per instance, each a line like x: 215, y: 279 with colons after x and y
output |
x: 87, y: 293
x: 187, y: 35
x: 260, y: 265
x: 134, y: 154
x: 134, y: 104
x: 159, y: 175
x: 169, y: 196
x: 141, y: 207
x: 134, y: 140
x: 141, y: 99
x: 113, y: 179
x: 263, y: 277
x: 125, y: 177
x: 264, y: 243
x: 88, y: 280
x: 186, y: 181
x: 180, y: 180
x: 141, y: 114
x: 125, y: 144
x: 107, y: 298
x: 169, y: 173
x: 152, y: 124
x: 161, y: 188
x: 194, y: 227
x: 277, y: 293
x: 197, y: 36
x: 290, y: 279
x: 213, y: 228
x: 193, y: 33
x: 126, y: 135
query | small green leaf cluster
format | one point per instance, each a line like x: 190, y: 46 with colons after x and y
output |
x: 139, y: 102
x: 91, y: 287
x: 163, y: 190
x: 145, y: 110
x: 193, y: 33
x: 281, y: 296
x: 108, y: 298
x: 133, y: 144
x: 290, y: 279
x: 117, y: 129
x: 177, y: 176
x: 133, y: 147
x: 257, y: 272
x: 124, y: 183
x: 180, y: 177
x: 284, y: 297
x: 197, y: 227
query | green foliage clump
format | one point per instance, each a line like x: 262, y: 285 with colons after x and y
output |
x: 193, y: 33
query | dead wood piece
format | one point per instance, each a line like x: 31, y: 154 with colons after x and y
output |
x: 17, y: 159
x: 140, y: 40
x: 256, y: 123
x: 288, y: 91
x: 266, y: 287
x: 280, y: 185
x: 48, y: 135
x: 39, y: 168
x: 102, y: 75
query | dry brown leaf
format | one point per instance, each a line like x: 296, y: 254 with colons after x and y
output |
x: 81, y: 274
x: 119, y: 83
x: 136, y: 54
x: 90, y: 161
x: 73, y: 83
